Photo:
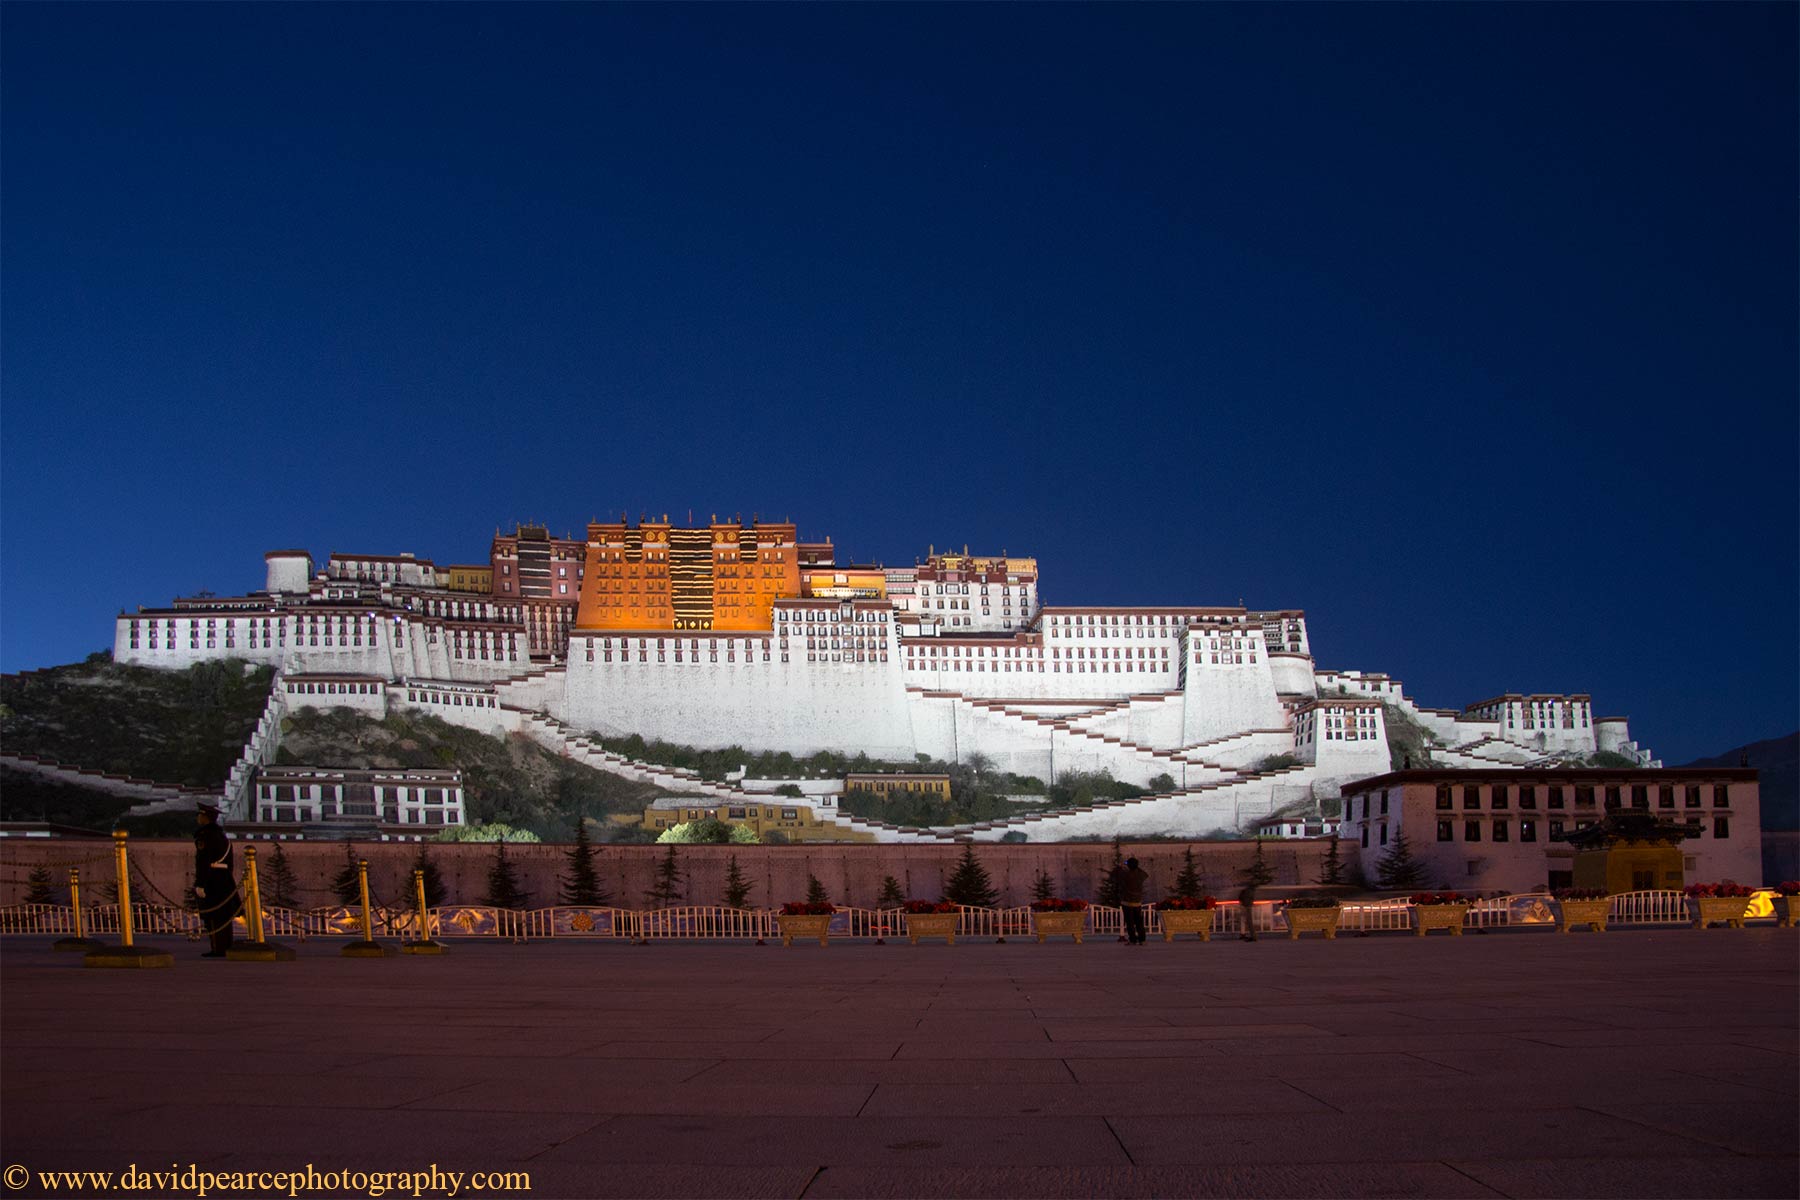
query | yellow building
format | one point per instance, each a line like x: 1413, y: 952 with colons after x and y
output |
x: 845, y: 583
x: 795, y: 821
x: 935, y: 786
x: 471, y: 578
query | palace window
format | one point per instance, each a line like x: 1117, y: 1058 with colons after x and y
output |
x: 1721, y: 796
x: 1471, y: 831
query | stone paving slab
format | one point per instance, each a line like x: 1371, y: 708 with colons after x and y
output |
x: 1658, y: 1063
x: 1383, y: 1181
x: 1665, y: 1179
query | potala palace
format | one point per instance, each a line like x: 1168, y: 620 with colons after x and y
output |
x: 740, y: 634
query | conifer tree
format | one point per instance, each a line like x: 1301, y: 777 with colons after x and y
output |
x: 891, y: 895
x: 737, y: 888
x: 969, y: 883
x: 435, y: 893
x: 581, y: 886
x: 279, y: 887
x: 666, y: 889
x: 1041, y: 886
x: 815, y: 891
x: 503, y: 889
x: 1331, y: 870
x: 1108, y: 892
x: 1398, y: 869
x: 1188, y: 884
x: 1259, y: 873
x: 344, y: 884
x: 38, y: 889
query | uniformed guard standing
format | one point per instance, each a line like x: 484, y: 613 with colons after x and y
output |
x: 213, y: 884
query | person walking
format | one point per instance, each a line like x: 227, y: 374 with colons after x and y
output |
x: 213, y: 884
x: 1247, y: 905
x: 1131, y: 879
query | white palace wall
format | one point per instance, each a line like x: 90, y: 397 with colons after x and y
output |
x: 1292, y: 673
x: 1229, y: 685
x: 799, y: 707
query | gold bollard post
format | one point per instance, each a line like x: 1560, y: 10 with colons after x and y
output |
x: 259, y: 949
x: 368, y: 947
x: 125, y: 954
x: 79, y: 939
x: 425, y: 944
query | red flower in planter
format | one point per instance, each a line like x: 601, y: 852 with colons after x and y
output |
x: 1186, y: 903
x: 929, y: 906
x: 1437, y: 898
x: 1789, y: 887
x: 1707, y: 891
x: 1579, y: 894
x: 808, y: 908
x: 1056, y: 905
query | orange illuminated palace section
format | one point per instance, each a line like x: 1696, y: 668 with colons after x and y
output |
x: 655, y: 576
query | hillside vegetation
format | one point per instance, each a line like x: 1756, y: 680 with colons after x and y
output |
x: 183, y: 727
x: 1409, y: 743
x: 509, y: 780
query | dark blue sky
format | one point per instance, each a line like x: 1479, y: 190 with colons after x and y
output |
x: 1468, y: 328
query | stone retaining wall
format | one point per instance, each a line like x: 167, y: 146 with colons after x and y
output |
x: 852, y: 874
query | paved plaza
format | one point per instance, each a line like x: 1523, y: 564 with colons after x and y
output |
x: 1636, y: 1063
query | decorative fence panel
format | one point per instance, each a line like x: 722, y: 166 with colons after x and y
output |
x: 1650, y: 908
x: 707, y: 922
x: 716, y: 923
x: 1376, y: 917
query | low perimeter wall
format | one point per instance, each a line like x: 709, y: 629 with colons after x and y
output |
x: 852, y: 874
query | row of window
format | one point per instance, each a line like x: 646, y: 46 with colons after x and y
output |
x: 452, y: 699
x: 1500, y: 796
x: 310, y: 688
x: 1036, y: 666
x: 643, y: 656
x: 402, y: 816
x: 293, y: 793
x: 1499, y: 830
x: 1093, y: 620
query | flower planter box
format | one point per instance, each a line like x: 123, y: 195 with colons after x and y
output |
x: 1711, y: 909
x: 1592, y: 913
x: 1786, y: 909
x: 1058, y: 924
x: 1427, y: 917
x: 1313, y: 920
x: 809, y: 925
x: 931, y: 925
x: 1187, y: 920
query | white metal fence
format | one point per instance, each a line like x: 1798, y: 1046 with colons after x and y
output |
x: 717, y: 923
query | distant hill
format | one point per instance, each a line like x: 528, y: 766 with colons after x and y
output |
x: 1777, y: 762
